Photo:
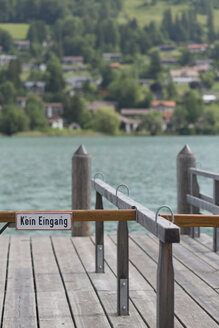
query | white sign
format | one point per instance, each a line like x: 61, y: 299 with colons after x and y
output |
x: 43, y: 221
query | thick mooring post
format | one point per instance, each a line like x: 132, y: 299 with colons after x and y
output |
x: 81, y: 179
x: 165, y: 287
x: 99, y: 237
x: 122, y: 269
x: 185, y: 160
x: 216, y: 230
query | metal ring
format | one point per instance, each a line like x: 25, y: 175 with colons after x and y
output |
x: 117, y: 189
x: 157, y: 212
x: 99, y: 173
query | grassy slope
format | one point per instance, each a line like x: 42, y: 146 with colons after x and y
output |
x: 145, y: 14
x: 17, y: 31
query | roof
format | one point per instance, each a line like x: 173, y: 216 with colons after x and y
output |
x: 73, y: 58
x: 57, y: 119
x: 21, y: 98
x: 166, y: 103
x: 197, y: 46
x: 115, y: 65
x: 95, y: 105
x: 54, y: 105
x: 134, y: 111
x: 167, y: 115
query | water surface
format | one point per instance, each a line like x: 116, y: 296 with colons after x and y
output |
x: 35, y: 173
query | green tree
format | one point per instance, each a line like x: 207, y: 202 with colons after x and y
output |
x: 210, y: 24
x: 13, y: 120
x: 7, y: 92
x: 151, y: 123
x: 126, y: 91
x: 5, y: 39
x: 193, y: 105
x: 75, y: 111
x: 171, y: 90
x: 54, y: 80
x: 13, y: 73
x: 208, y: 79
x: 155, y: 64
x: 106, y: 120
x: 35, y: 111
x: 37, y: 32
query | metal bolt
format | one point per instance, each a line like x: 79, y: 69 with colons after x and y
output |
x: 100, y: 247
x: 124, y: 307
x: 124, y: 284
x: 100, y: 266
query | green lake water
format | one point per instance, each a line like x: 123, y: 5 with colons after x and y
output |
x: 35, y: 173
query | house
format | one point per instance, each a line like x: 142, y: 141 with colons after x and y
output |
x: 197, y: 47
x: 169, y: 61
x: 77, y: 81
x: 54, y: 110
x: 48, y: 43
x: 129, y: 125
x: 185, y: 75
x: 162, y: 106
x: 112, y: 57
x: 22, y: 44
x: 56, y: 123
x: 209, y: 98
x: 97, y: 105
x: 5, y: 59
x: 115, y: 65
x: 144, y: 82
x: 21, y: 101
x: 35, y: 87
x: 134, y: 112
x: 73, y: 60
x: 167, y: 47
x: 166, y: 118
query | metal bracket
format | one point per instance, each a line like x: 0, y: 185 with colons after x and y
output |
x: 3, y: 228
x: 99, y: 259
x: 124, y: 297
x: 195, y: 232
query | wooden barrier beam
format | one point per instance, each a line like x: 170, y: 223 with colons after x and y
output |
x: 81, y: 215
x: 193, y: 220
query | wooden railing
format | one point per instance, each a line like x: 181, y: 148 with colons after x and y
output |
x: 166, y: 232
x: 199, y: 201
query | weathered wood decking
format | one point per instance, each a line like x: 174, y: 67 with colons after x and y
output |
x: 50, y: 282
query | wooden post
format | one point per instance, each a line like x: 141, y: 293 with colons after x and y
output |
x: 122, y: 269
x: 216, y: 230
x: 81, y: 188
x: 99, y: 237
x: 185, y: 160
x: 194, y: 191
x: 165, y: 287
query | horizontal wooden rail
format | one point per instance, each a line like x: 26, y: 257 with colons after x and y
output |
x: 194, y: 220
x: 203, y: 173
x: 203, y: 204
x: 81, y: 215
x: 165, y: 231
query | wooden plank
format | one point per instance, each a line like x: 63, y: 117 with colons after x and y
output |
x: 205, y: 240
x: 141, y: 293
x: 207, y: 198
x: 20, y: 306
x: 85, y: 249
x: 197, y: 202
x: 187, y: 281
x: 84, y: 215
x: 83, y: 300
x: 4, y: 244
x: 206, y: 174
x: 193, y: 220
x: 164, y: 230
x: 51, y: 298
x: 201, y: 251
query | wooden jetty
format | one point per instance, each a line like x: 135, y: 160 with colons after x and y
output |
x: 51, y: 282
x: 156, y: 279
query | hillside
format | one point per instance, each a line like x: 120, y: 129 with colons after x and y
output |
x: 145, y: 12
